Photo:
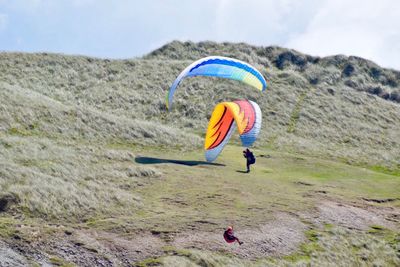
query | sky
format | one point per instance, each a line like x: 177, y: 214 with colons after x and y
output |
x: 132, y: 28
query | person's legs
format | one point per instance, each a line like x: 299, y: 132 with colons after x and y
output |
x: 250, y: 162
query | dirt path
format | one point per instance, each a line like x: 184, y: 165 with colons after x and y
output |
x: 360, y: 216
x: 277, y: 237
x: 280, y: 236
x: 10, y: 257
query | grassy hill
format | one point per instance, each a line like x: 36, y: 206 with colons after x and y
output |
x: 95, y: 171
x: 342, y: 107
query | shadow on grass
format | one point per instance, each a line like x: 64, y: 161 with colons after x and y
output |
x: 241, y: 171
x: 149, y: 160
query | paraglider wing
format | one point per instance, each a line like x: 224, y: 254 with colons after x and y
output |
x: 222, y: 67
x: 253, y: 122
x: 246, y: 115
x: 220, y: 129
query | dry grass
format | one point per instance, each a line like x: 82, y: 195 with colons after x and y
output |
x: 71, y: 127
x: 69, y: 181
x: 320, y: 106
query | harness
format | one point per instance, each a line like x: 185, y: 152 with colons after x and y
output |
x: 230, y: 238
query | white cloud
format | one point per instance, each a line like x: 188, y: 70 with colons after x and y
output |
x: 124, y: 28
x: 266, y: 22
x: 3, y: 22
x: 368, y: 29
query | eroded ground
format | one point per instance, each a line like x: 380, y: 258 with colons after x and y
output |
x: 290, y: 210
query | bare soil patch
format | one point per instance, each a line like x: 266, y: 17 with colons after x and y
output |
x: 277, y: 237
x: 354, y: 217
x: 98, y: 248
x: 10, y: 257
x: 83, y: 248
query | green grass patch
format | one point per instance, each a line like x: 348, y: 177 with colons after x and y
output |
x: 307, y: 248
x: 377, y: 229
x: 28, y: 130
x: 18, y: 131
x: 296, y: 257
x: 56, y: 261
x: 391, y: 237
x: 387, y: 170
x: 7, y: 227
x: 312, y: 235
x: 149, y: 262
x: 212, y: 193
x: 328, y: 226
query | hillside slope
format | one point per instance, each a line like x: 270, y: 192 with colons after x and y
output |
x: 341, y: 107
x: 95, y: 172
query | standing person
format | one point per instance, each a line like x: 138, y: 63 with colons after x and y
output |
x: 230, y: 237
x: 250, y: 158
